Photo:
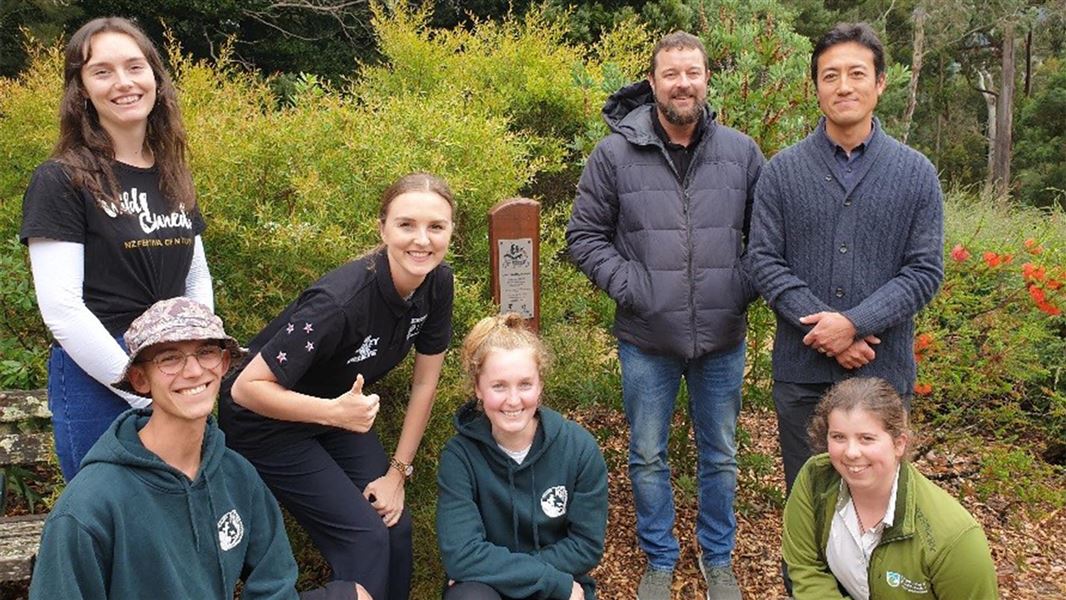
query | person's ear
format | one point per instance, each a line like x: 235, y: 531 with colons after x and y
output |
x: 901, y: 444
x: 139, y: 380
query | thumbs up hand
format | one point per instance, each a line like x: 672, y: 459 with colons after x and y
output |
x: 357, y: 410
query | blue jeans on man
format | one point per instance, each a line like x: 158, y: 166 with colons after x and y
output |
x: 650, y: 384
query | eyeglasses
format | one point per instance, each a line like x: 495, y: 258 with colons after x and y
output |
x: 171, y: 362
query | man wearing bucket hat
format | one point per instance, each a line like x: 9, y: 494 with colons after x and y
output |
x: 161, y: 508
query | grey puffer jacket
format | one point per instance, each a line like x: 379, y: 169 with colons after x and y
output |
x: 667, y: 252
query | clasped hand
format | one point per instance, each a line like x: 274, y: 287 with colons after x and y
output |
x: 833, y: 335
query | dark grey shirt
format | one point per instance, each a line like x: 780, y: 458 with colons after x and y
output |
x: 846, y: 167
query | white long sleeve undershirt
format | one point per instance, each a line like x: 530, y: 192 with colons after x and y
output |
x: 58, y: 276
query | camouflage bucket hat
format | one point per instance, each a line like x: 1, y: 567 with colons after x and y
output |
x: 174, y: 320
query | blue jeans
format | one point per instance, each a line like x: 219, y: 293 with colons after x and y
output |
x: 650, y: 384
x: 82, y: 409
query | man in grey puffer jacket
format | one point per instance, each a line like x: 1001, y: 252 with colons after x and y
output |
x: 659, y: 223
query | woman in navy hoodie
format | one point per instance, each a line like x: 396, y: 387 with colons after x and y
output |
x: 522, y: 491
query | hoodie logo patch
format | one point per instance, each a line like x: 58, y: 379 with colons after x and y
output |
x: 553, y: 501
x: 230, y: 530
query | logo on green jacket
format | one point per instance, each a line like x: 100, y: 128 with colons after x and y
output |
x: 896, y: 580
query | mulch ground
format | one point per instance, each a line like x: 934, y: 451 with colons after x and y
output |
x: 1030, y: 553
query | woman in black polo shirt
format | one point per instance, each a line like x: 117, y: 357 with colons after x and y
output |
x: 112, y: 224
x: 300, y: 410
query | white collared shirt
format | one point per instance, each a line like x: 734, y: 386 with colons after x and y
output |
x: 848, y: 550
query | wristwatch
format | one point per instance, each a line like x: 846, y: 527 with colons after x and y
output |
x: 405, y: 469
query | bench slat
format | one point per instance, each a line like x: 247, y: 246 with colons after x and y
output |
x: 19, y: 540
x: 18, y: 405
x: 25, y: 448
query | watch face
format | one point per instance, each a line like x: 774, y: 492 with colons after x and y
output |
x: 410, y: 470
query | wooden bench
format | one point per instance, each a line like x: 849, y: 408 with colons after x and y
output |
x: 25, y: 439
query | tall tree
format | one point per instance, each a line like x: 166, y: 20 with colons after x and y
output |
x: 1000, y: 175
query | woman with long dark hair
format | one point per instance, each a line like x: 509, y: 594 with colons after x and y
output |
x: 111, y: 222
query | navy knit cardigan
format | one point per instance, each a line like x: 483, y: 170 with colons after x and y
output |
x: 874, y: 252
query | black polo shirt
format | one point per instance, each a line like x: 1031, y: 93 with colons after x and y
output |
x: 350, y: 322
x: 680, y: 156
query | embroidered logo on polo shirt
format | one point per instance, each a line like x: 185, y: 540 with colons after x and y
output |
x: 896, y: 580
x: 366, y: 350
x: 230, y: 530
x: 553, y: 501
x: 416, y: 326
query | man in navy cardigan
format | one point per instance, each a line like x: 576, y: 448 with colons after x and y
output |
x: 846, y: 242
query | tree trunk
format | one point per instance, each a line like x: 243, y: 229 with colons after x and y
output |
x: 990, y: 96
x: 1029, y: 63
x: 1004, y: 115
x: 917, y: 54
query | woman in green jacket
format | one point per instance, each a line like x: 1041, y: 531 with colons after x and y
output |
x: 862, y: 522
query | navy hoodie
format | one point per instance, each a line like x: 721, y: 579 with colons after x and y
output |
x: 530, y: 529
x: 131, y: 526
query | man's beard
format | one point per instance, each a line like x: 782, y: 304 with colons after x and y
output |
x: 679, y: 117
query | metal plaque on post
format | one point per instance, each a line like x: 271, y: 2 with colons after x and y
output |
x: 514, y: 248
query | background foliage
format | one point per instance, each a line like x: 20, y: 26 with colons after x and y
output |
x: 503, y: 107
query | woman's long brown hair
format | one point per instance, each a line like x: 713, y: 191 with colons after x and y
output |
x: 84, y: 146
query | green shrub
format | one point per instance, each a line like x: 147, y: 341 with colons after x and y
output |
x: 1015, y: 474
x: 990, y: 356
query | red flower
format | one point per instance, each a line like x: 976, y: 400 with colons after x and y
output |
x: 923, y: 389
x: 1053, y: 284
x: 923, y: 341
x: 959, y: 253
x: 1031, y: 272
x: 1033, y: 247
x: 1037, y: 294
x: 991, y: 259
x: 1049, y: 308
x: 1007, y: 258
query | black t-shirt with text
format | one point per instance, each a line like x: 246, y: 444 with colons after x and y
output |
x: 350, y: 322
x: 136, y: 253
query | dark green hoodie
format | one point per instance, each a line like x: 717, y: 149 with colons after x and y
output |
x: 528, y: 530
x: 131, y: 526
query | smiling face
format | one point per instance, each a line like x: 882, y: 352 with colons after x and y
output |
x: 416, y: 231
x: 509, y: 388
x: 848, y: 86
x: 679, y: 83
x: 864, y: 454
x: 187, y: 395
x: 119, y: 82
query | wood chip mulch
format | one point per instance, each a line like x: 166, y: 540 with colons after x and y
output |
x: 1030, y: 552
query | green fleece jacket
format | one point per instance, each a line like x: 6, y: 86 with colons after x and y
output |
x: 934, y: 548
x: 527, y: 530
x: 131, y: 526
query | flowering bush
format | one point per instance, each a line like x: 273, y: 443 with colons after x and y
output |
x: 990, y: 347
